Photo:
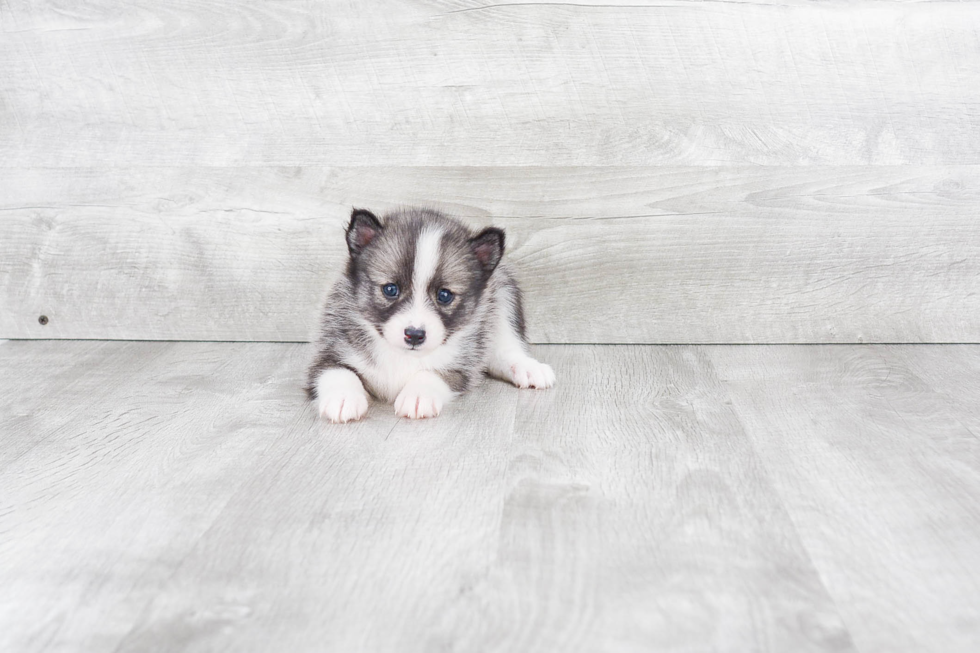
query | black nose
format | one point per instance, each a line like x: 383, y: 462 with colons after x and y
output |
x: 414, y: 336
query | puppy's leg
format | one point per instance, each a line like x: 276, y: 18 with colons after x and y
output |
x: 514, y: 364
x: 340, y: 395
x: 509, y: 358
x: 423, y: 396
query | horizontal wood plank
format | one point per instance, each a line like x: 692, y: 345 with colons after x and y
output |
x: 606, y: 255
x: 407, y: 82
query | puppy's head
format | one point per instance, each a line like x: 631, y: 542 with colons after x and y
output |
x: 418, y: 275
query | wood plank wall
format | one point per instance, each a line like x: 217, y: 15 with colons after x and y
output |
x: 668, y: 172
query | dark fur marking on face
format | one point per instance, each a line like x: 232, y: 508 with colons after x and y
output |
x: 388, y: 260
x: 459, y: 271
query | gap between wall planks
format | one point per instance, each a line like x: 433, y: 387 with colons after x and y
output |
x: 607, y: 255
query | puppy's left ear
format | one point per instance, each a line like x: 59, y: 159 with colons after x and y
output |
x: 488, y: 246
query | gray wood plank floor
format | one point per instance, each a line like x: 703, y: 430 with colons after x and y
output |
x: 183, y: 496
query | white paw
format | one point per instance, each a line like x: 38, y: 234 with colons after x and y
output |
x: 340, y: 408
x: 424, y: 396
x: 417, y: 406
x: 341, y: 396
x: 529, y: 373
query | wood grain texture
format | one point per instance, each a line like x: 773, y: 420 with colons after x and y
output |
x: 637, y: 517
x: 24, y: 420
x: 955, y: 374
x: 458, y: 82
x: 606, y: 255
x: 202, y: 507
x: 881, y: 476
x: 357, y: 539
x: 120, y: 484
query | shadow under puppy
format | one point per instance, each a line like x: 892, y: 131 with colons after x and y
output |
x: 423, y: 310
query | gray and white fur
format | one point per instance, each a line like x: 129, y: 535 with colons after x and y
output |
x: 423, y: 310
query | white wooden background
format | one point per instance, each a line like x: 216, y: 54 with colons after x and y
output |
x: 668, y: 172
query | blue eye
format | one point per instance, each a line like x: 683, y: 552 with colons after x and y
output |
x: 445, y: 296
x: 390, y: 290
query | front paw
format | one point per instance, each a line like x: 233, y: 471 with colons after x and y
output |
x: 340, y: 396
x: 529, y: 373
x: 416, y: 404
x: 344, y: 406
x: 424, y: 396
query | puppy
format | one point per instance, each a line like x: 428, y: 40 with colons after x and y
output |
x: 423, y: 310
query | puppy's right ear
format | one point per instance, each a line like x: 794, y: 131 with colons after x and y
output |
x: 363, y: 228
x: 488, y: 245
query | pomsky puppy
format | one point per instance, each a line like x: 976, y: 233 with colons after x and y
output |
x: 422, y: 311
